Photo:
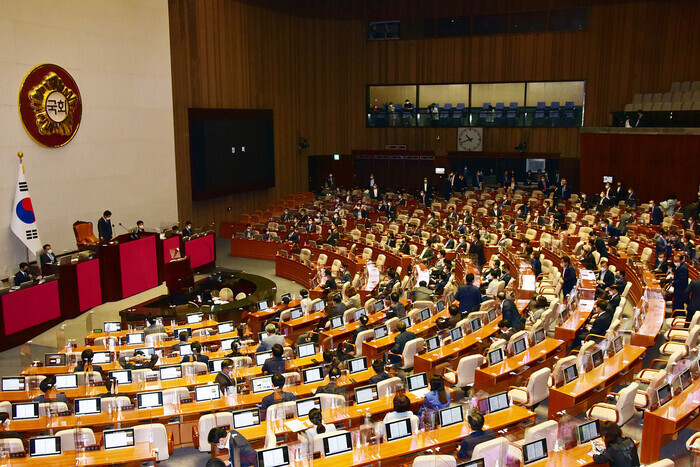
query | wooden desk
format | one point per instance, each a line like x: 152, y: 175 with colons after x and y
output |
x: 574, y: 457
x: 121, y: 335
x: 450, y: 352
x: 594, y: 386
x: 343, y: 333
x: 141, y: 452
x: 570, y: 328
x: 666, y: 422
x: 292, y: 329
x: 654, y: 320
x: 515, y: 371
x: 257, y: 249
x: 296, y: 271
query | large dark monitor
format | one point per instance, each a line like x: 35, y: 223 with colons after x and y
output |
x: 231, y: 151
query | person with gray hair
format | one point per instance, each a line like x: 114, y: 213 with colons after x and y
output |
x: 271, y: 339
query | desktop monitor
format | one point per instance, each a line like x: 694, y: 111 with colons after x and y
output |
x: 67, y: 381
x: 432, y: 343
x: 149, y: 400
x: 208, y: 392
x: 261, y: 384
x: 686, y: 379
x: 170, y: 372
x: 337, y: 444
x: 306, y: 350
x: 425, y: 314
x: 357, y: 365
x: 296, y: 313
x: 102, y: 357
x: 366, y: 394
x: 312, y: 375
x: 588, y: 431
x: 439, y: 171
x: 112, y: 326
x: 177, y: 331
x: 226, y: 327
x: 380, y: 332
x: 336, y: 322
x: 406, y: 321
x: 304, y: 406
x: 451, y: 416
x: 147, y: 351
x: 116, y: 439
x: 664, y: 394
x: 55, y: 359
x: 226, y: 343
x: 274, y: 457
x: 417, y: 382
x: 451, y: 297
x: 135, y: 338
x: 398, y: 429
x: 359, y: 312
x: 319, y: 306
x: 13, y: 383
x: 519, y: 346
x: 617, y: 344
x: 534, y: 451
x: 456, y: 334
x: 262, y: 305
x: 491, y: 314
x: 88, y: 406
x: 25, y: 411
x: 475, y: 324
x: 260, y: 357
x: 607, y: 178
x: 570, y: 373
x: 597, y: 358
x: 194, y: 318
x: 44, y: 446
x: 122, y: 376
x: 495, y: 356
x: 439, y: 306
x: 261, y: 336
x: 539, y: 336
x: 498, y: 402
x: 246, y: 418
x: 314, y: 284
x: 186, y: 349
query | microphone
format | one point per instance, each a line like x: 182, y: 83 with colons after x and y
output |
x: 120, y: 225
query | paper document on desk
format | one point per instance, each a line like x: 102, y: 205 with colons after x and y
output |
x: 298, y: 426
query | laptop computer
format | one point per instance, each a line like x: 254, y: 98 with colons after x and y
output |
x: 117, y: 439
x: 67, y: 381
x: 366, y: 394
x: 25, y: 411
x: 177, y: 331
x: 207, y: 392
x: 149, y: 400
x: 226, y: 327
x: 147, y: 351
x: 588, y: 431
x: 306, y: 350
x: 224, y: 345
x: 13, y: 383
x: 456, y: 334
x: 312, y: 375
x: 194, y: 318
x: 304, y: 406
x: 432, y: 343
x: 475, y: 324
x: 451, y: 416
x: 418, y: 384
x: 260, y: 357
x: 337, y: 444
x: 398, y: 429
x: 495, y: 356
x: 88, y: 406
x: 44, y: 446
x: 246, y: 418
x: 170, y: 372
x: 319, y: 306
x: 570, y: 373
x: 498, y: 402
x: 534, y: 451
x: 274, y: 457
x: 519, y: 346
x: 380, y: 332
x: 122, y: 376
x: 261, y: 384
x: 112, y: 326
x: 135, y: 338
x: 357, y: 365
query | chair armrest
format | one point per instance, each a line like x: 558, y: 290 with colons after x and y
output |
x: 348, y: 344
x: 520, y: 388
x: 171, y: 442
x: 595, y: 337
x: 397, y: 355
x: 617, y: 414
x: 195, y: 436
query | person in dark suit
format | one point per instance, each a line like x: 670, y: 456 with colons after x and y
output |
x: 223, y: 377
x: 400, y: 342
x: 600, y: 324
x: 536, y: 264
x: 104, y: 227
x: 427, y: 254
x: 564, y: 192
x: 477, y: 436
x: 614, y: 297
x: 50, y: 393
x: 396, y: 309
x: 621, y: 280
x: 426, y: 187
x: 85, y: 363
x: 286, y: 215
x: 568, y: 276
x: 276, y: 363
x: 424, y: 198
x: 188, y: 231
x: 225, y: 439
x: 657, y: 215
x: 680, y: 282
x: 292, y: 235
x: 588, y: 260
x: 543, y: 186
x: 693, y: 296
x: 510, y: 312
x: 345, y: 275
x: 641, y: 121
x: 23, y: 275
x: 477, y: 249
x: 196, y: 355
x: 338, y: 306
x: 372, y: 181
x: 374, y: 192
x: 380, y: 372
x: 600, y: 246
x: 47, y: 257
x: 278, y: 395
x: 330, y: 281
x: 631, y: 199
x: 506, y: 277
x: 333, y: 236
x: 606, y: 278
x: 391, y: 210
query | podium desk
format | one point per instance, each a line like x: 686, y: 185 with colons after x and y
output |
x: 135, y: 455
x: 26, y: 313
x: 128, y: 266
x: 166, y: 249
x: 515, y: 370
x: 178, y: 276
x: 594, y: 386
x: 201, y: 249
x: 79, y: 285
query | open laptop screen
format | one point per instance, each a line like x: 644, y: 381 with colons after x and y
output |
x: 207, y: 392
x: 226, y: 327
x: 416, y: 382
x: 313, y: 374
x: 122, y: 376
x: 246, y: 418
x: 398, y: 429
x: 357, y: 364
x: 306, y: 350
x: 67, y: 381
x: 115, y: 439
x: 304, y: 406
x: 425, y: 314
x: 262, y: 384
x: 337, y: 444
x: 274, y: 457
x: 88, y: 406
x: 498, y: 402
x: 456, y: 334
x: 260, y: 357
x: 535, y: 451
x: 112, y: 326
x: 170, y: 372
x: 44, y: 446
x: 451, y: 416
x: 588, y: 431
x: 496, y: 356
x: 366, y: 394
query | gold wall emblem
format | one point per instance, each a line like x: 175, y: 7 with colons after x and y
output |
x: 53, y: 104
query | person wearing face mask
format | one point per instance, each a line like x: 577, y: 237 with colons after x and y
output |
x: 47, y: 257
x: 188, y: 231
x: 680, y: 282
x: 657, y: 215
x: 23, y: 275
x: 620, y: 194
x: 568, y: 276
x: 631, y: 199
x: 603, y: 203
x: 225, y: 439
x: 104, y: 227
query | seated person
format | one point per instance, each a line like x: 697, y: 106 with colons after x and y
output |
x: 402, y: 408
x: 388, y: 286
x: 112, y: 387
x: 276, y: 363
x: 455, y: 316
x: 380, y: 372
x: 85, y: 363
x: 23, y: 275
x: 421, y: 293
x: 225, y: 439
x: 620, y: 451
x: 396, y: 309
x: 400, y: 342
x: 138, y: 361
x: 330, y: 361
x: 50, y: 393
x: 330, y: 284
x: 283, y: 306
x: 235, y: 349
x: 183, y: 336
x: 539, y: 307
x: 505, y: 331
x: 437, y: 398
x: 598, y: 325
x: 492, y: 288
x: 510, y: 311
x: 352, y: 298
x: 278, y: 395
x: 223, y: 377
x: 332, y: 386
x: 154, y: 326
x: 319, y: 428
x: 305, y: 303
x: 271, y: 339
x: 196, y: 355
x: 606, y: 278
x: 338, y: 306
x: 477, y: 436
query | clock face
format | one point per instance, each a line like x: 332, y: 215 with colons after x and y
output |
x: 470, y: 139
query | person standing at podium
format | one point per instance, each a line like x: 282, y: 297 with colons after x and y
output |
x: 47, y: 257
x: 104, y: 227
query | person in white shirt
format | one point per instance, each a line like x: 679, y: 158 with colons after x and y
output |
x: 305, y: 301
x: 402, y: 409
x: 319, y: 428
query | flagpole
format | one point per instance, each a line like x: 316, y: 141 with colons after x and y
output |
x: 20, y: 154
